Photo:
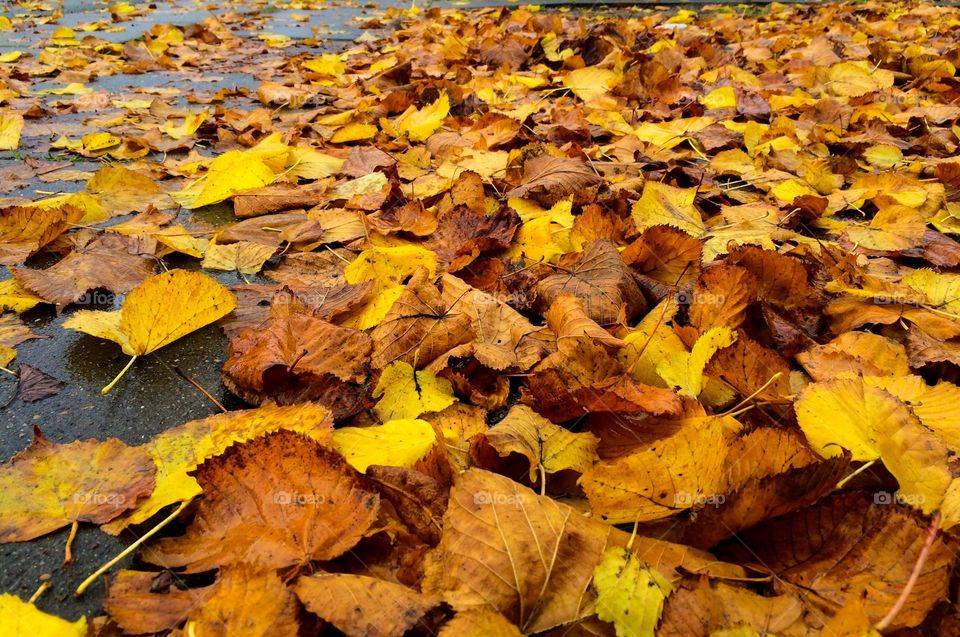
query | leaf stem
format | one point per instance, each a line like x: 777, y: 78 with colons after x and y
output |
x: 67, y: 552
x: 884, y: 623
x: 103, y: 392
x: 130, y: 549
x: 853, y: 475
x: 40, y: 591
x: 543, y: 479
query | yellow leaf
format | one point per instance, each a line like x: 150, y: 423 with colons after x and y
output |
x: 310, y: 163
x: 884, y: 156
x: 328, y: 64
x: 854, y: 79
x: 11, y: 56
x: 7, y: 354
x: 672, y: 133
x: 395, y: 443
x: 74, y: 88
x: 630, y: 595
x: 590, y: 82
x: 893, y: 228
x: 14, y: 296
x: 99, y: 141
x: 157, y: 312
x: 188, y: 127
x: 420, y: 124
x: 23, y: 619
x: 844, y: 414
x: 405, y: 394
x: 685, y: 372
x: 228, y: 174
x: 10, y: 126
x: 941, y: 288
x: 723, y: 97
x: 183, y: 448
x: 548, y: 447
x: 354, y: 132
x: 661, y: 204
x: 389, y: 266
x: 246, y: 257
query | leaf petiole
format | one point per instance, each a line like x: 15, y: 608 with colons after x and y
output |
x: 103, y: 392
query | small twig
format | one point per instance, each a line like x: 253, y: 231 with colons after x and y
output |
x: 200, y: 388
x: 884, y: 623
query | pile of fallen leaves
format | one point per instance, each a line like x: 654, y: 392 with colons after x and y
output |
x: 550, y: 324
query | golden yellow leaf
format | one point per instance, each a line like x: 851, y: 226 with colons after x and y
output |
x: 419, y: 124
x: 723, y: 97
x: 228, y: 174
x: 590, y: 82
x: 630, y: 595
x: 157, y: 312
x: 11, y: 124
x: 395, y: 443
x: 405, y: 394
x: 354, y: 132
x: 661, y: 204
x: 15, y: 297
x: 23, y: 619
x: 246, y: 257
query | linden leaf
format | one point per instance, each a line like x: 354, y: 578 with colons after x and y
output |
x: 232, y: 172
x: 419, y: 124
x: 395, y: 443
x: 549, y: 448
x: 405, y: 394
x: 15, y: 297
x: 157, y: 312
x: 361, y: 605
x: 24, y: 230
x: 280, y: 500
x: 48, y: 485
x: 245, y: 257
x: 182, y: 449
x: 245, y: 602
x: 11, y: 124
x: 590, y: 82
x: 665, y: 205
x: 23, y: 619
x: 630, y: 595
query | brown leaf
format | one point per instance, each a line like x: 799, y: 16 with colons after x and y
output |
x: 146, y: 602
x: 750, y: 367
x: 276, y: 501
x: 84, y: 270
x: 481, y: 622
x: 721, y: 296
x: 419, y: 327
x: 276, y: 198
x: 13, y: 331
x: 705, y: 608
x: 462, y: 234
x: 34, y: 385
x: 549, y: 179
x: 363, y: 606
x: 666, y: 254
x: 847, y: 548
x: 298, y: 358
x: 601, y: 280
x: 529, y: 557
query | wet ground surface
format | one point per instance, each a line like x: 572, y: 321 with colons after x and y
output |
x: 152, y: 396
